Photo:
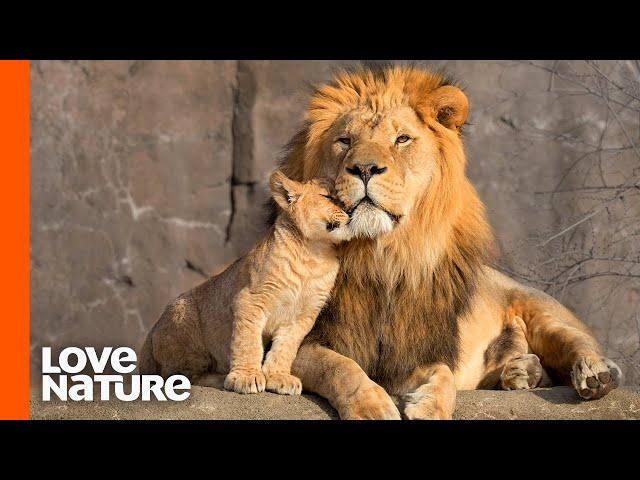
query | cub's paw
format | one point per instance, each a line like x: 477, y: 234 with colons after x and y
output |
x: 245, y: 381
x: 369, y: 403
x: 521, y: 373
x: 594, y: 376
x: 283, y: 383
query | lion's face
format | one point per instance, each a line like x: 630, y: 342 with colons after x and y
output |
x: 381, y: 163
x: 382, y: 138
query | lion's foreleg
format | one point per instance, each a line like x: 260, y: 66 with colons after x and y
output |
x: 510, y: 363
x: 563, y: 343
x: 432, y: 394
x: 343, y: 383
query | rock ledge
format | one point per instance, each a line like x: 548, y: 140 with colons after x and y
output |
x: 215, y: 404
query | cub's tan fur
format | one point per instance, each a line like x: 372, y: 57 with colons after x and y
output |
x: 291, y: 275
x: 274, y: 293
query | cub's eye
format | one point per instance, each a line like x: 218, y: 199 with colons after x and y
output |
x: 403, y: 139
x: 344, y: 141
x: 332, y: 226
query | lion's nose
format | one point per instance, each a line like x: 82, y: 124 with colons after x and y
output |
x: 365, y: 171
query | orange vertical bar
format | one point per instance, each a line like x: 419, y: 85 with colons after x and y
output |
x: 14, y: 239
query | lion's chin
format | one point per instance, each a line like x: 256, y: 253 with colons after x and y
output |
x: 368, y: 221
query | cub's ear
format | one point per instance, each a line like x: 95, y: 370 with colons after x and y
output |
x: 283, y: 190
x: 450, y: 106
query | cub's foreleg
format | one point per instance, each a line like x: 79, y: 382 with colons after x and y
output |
x: 245, y: 374
x: 284, y: 347
x: 432, y: 393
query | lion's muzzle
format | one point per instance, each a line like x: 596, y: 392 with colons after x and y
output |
x: 363, y: 187
x: 370, y: 220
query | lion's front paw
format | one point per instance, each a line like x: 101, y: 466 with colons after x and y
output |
x: 370, y: 403
x: 521, y: 373
x: 283, y: 383
x: 421, y: 406
x: 245, y: 381
x: 594, y: 376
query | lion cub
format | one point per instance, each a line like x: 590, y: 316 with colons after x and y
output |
x: 291, y: 274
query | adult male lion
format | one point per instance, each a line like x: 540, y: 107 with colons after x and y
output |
x: 415, y: 312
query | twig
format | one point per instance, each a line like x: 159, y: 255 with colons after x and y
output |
x: 582, y: 220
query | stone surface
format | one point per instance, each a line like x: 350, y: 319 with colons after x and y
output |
x: 146, y: 176
x: 213, y: 404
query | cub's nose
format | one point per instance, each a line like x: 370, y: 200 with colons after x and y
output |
x: 338, y: 220
x: 365, y: 171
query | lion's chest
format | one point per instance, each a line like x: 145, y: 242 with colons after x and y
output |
x: 389, y: 332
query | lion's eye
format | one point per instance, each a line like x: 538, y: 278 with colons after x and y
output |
x: 345, y: 140
x: 403, y: 139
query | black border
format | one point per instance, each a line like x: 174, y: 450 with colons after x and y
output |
x: 236, y: 31
x: 323, y: 449
x: 560, y: 433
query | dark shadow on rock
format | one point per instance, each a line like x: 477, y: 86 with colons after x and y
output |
x: 558, y: 395
x: 212, y: 380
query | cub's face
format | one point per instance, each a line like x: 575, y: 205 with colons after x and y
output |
x: 311, y: 207
x: 382, y: 163
x: 318, y: 216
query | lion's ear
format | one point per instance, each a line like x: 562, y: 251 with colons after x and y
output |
x: 283, y: 190
x: 450, y: 106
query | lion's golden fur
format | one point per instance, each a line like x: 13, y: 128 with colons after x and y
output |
x: 415, y: 305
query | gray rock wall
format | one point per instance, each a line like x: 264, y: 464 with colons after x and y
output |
x: 146, y: 176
